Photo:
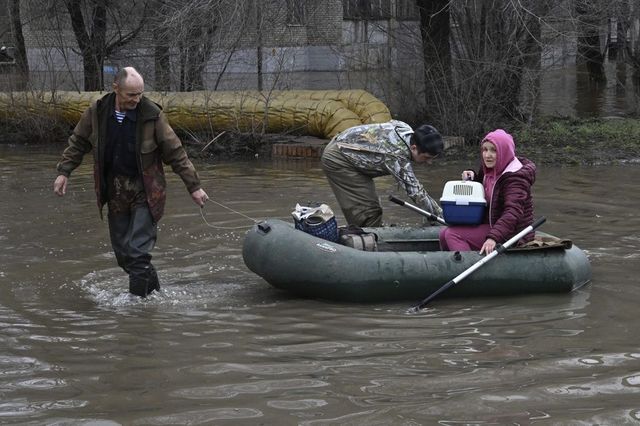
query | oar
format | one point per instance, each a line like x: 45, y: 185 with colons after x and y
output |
x: 478, y: 264
x: 417, y: 209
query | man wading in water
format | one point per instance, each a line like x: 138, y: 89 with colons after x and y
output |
x: 130, y: 139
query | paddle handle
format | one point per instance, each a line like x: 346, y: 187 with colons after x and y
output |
x: 431, y: 216
x: 481, y: 262
x: 511, y: 241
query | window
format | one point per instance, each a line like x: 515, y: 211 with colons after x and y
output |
x: 366, y: 9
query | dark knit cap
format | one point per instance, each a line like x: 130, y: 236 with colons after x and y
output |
x: 428, y: 139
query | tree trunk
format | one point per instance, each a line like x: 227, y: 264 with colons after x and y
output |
x: 91, y: 36
x: 191, y: 77
x: 533, y: 59
x: 589, y: 40
x: 162, y: 66
x: 435, y: 31
x: 92, y: 45
x: 92, y: 72
x: 259, y: 43
x: 161, y: 46
x: 21, y: 52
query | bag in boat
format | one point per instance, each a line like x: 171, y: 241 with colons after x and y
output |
x: 355, y: 237
x: 317, y: 220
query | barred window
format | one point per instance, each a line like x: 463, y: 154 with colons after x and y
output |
x: 366, y: 9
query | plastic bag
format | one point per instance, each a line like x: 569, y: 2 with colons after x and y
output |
x: 317, y: 220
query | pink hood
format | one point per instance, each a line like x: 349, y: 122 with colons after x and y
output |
x: 506, y: 160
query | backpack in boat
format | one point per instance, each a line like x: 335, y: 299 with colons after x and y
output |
x: 317, y: 220
x: 355, y: 237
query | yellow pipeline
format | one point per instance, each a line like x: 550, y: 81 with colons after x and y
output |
x: 322, y: 113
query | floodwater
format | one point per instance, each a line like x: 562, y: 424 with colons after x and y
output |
x: 221, y: 346
x: 568, y: 91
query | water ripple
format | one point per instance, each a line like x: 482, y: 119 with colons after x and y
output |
x: 259, y: 369
x: 24, y: 408
x: 202, y: 417
x: 220, y: 345
x: 258, y: 387
x: 19, y: 366
x: 302, y: 404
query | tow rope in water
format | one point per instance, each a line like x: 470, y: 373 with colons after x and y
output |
x: 230, y: 209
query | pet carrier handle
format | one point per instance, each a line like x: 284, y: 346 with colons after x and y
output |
x: 417, y: 209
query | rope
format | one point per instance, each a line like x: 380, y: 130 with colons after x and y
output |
x: 234, y: 211
x: 230, y: 209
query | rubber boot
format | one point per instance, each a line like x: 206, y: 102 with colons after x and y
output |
x: 139, y: 285
x: 154, y: 283
x: 144, y: 283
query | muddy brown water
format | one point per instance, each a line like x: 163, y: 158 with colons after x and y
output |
x: 220, y: 346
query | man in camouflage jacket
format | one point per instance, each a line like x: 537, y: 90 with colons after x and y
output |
x: 130, y: 139
x: 357, y: 155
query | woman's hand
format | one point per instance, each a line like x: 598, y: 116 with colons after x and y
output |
x: 488, y: 246
x: 468, y: 175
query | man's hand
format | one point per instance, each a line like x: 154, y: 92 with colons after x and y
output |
x: 60, y: 185
x: 199, y: 197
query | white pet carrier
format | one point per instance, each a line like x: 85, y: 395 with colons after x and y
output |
x: 463, y: 202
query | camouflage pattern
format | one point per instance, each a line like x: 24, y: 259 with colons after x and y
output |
x: 383, y: 149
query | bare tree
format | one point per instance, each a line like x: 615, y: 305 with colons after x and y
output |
x: 198, y: 28
x: 630, y: 21
x: 435, y: 29
x: 477, y: 66
x: 259, y: 24
x: 161, y: 45
x: 90, y: 21
x: 589, y: 16
x: 20, y: 55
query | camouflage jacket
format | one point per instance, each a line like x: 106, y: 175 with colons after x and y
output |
x: 156, y: 143
x: 383, y: 149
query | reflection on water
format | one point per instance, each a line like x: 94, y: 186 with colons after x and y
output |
x: 220, y: 345
x: 569, y: 91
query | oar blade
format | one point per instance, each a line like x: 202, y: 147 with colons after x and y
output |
x: 420, y: 306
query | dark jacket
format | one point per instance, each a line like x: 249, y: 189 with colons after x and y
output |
x: 510, y: 207
x: 156, y: 143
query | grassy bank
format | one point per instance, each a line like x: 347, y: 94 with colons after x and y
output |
x: 552, y: 141
x: 571, y: 141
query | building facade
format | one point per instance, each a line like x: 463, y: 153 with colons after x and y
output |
x: 240, y: 45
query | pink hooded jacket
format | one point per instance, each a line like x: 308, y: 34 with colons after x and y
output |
x: 508, y: 189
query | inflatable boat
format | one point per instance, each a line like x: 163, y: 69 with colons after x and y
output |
x: 406, y: 265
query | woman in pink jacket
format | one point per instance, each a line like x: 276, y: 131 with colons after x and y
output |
x: 507, y: 182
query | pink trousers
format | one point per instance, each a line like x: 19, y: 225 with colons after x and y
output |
x: 463, y: 238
